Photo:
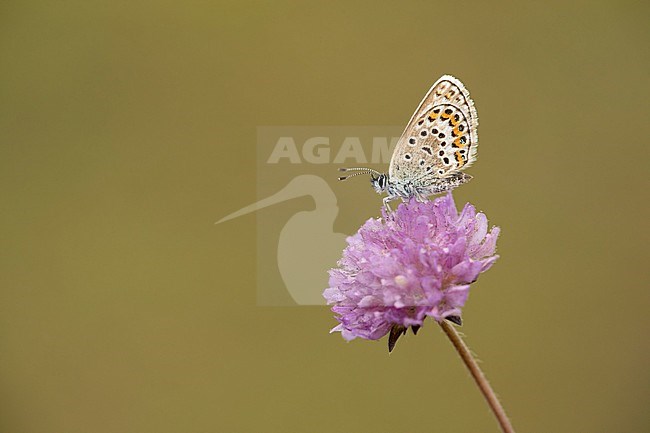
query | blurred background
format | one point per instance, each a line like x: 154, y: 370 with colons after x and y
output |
x: 128, y: 128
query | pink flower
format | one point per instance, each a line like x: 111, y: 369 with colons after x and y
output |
x: 415, y: 262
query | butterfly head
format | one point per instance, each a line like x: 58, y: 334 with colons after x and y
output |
x: 379, y: 182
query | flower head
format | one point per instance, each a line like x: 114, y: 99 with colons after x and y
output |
x: 415, y: 262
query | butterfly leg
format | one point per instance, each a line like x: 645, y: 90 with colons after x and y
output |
x: 386, y: 205
x: 422, y: 198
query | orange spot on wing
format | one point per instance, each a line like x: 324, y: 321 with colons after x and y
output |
x: 433, y: 116
x: 458, y: 143
x: 459, y: 159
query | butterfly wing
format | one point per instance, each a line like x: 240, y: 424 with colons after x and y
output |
x: 440, y: 139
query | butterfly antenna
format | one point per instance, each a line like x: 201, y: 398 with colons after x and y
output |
x: 357, y: 171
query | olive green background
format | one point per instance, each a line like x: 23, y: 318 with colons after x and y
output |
x: 128, y: 128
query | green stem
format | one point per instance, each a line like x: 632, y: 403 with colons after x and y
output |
x: 478, y: 376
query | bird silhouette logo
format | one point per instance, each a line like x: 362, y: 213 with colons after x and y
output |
x: 308, y: 245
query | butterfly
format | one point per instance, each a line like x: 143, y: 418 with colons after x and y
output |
x: 438, y: 143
